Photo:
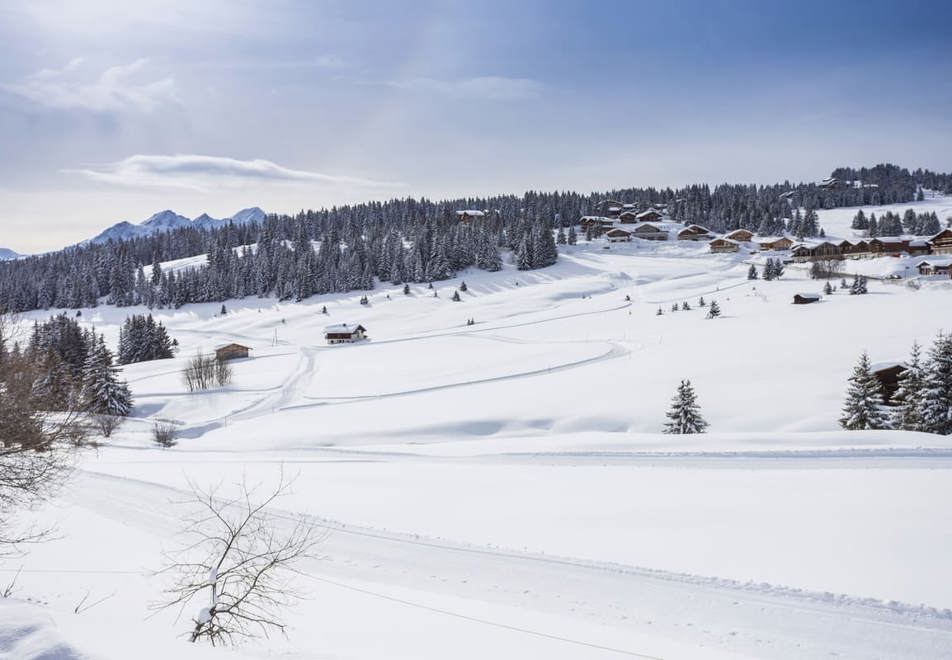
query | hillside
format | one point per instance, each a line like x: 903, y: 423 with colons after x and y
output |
x: 503, y: 488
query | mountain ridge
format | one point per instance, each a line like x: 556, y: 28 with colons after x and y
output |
x: 168, y: 220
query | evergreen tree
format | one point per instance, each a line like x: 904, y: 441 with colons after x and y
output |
x: 828, y: 288
x: 660, y: 312
x: 406, y: 289
x: 455, y: 297
x: 560, y: 237
x: 862, y: 409
x: 463, y: 287
x: 103, y: 392
x: 752, y: 272
x: 701, y: 302
x: 714, y: 310
x: 685, y: 306
x: 674, y: 307
x: 685, y: 413
x: 573, y: 237
x: 937, y: 387
x: 908, y: 399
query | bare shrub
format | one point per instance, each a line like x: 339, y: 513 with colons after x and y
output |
x: 106, y: 424
x: 36, y: 439
x: 205, y: 371
x: 164, y: 433
x: 238, y: 564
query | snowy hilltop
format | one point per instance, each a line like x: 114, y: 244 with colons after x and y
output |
x: 168, y: 220
x: 7, y: 253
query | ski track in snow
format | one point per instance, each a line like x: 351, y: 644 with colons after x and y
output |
x: 743, y: 616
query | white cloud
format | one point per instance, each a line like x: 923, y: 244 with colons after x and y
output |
x: 206, y: 173
x: 494, y: 88
x: 118, y: 88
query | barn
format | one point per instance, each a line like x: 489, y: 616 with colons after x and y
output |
x: 231, y: 352
x: 342, y: 333
x: 805, y: 298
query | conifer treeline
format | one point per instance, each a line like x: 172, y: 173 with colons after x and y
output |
x: 404, y: 240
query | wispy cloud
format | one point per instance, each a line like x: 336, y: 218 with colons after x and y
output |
x: 206, y: 173
x: 493, y: 88
x: 115, y: 89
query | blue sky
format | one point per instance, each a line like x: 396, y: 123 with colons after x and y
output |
x: 111, y: 112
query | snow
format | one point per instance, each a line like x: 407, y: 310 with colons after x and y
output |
x: 503, y: 489
x: 7, y: 253
x: 169, y: 220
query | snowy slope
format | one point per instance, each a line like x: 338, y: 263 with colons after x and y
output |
x: 502, y: 489
x: 6, y: 253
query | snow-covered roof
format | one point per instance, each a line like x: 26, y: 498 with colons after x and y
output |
x: 338, y: 328
x: 809, y: 296
x: 888, y: 364
x: 472, y: 212
x: 935, y: 260
x: 645, y: 214
x: 724, y: 239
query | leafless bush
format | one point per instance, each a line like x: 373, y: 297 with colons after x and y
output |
x: 205, y: 371
x: 238, y: 564
x: 106, y: 424
x: 222, y: 373
x: 35, y: 442
x: 164, y: 433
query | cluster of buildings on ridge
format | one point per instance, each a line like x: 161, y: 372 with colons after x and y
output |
x: 621, y: 224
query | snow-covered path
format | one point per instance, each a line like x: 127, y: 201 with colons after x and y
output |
x: 634, y: 605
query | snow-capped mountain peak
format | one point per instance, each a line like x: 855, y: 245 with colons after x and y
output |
x: 6, y: 254
x: 169, y: 220
x: 165, y: 220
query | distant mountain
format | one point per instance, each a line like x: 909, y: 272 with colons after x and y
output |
x: 169, y: 220
x: 6, y: 254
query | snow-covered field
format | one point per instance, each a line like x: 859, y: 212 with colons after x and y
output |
x: 502, y: 489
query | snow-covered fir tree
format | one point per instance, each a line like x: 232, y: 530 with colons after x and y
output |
x: 862, y: 409
x: 685, y: 413
x: 937, y: 387
x: 103, y: 392
x: 713, y: 310
x: 907, y: 415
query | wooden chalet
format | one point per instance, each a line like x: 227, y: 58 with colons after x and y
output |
x: 740, y: 235
x: 618, y: 235
x: 468, y: 215
x: 777, y: 243
x: 940, y: 266
x: 888, y: 245
x: 941, y: 243
x: 805, y: 298
x: 651, y: 215
x: 227, y: 352
x: 342, y: 333
x: 650, y: 232
x: 721, y: 245
x: 695, y: 233
x: 887, y: 373
x: 853, y: 248
x: 596, y: 224
x: 628, y: 217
